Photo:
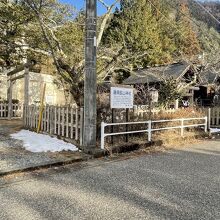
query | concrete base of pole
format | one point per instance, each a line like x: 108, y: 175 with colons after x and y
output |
x: 96, y: 152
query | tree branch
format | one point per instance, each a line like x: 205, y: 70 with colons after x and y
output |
x: 105, y: 19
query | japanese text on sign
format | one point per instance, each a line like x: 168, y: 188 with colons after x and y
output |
x: 121, y: 97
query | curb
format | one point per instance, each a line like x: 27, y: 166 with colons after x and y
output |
x: 43, y: 166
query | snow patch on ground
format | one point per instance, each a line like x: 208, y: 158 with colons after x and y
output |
x: 214, y: 130
x: 42, y: 143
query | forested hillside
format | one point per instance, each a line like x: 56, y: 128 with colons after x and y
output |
x: 211, y: 8
x: 166, y: 30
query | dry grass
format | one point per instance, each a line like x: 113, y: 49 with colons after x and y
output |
x: 181, y: 113
x: 172, y: 139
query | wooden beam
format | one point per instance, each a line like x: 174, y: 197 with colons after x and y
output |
x: 20, y: 68
x: 196, y: 88
x: 16, y: 70
x: 17, y: 77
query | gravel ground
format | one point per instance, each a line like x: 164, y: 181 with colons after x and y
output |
x: 12, y: 154
x: 179, y: 184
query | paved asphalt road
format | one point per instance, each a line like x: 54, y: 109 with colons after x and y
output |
x: 179, y: 184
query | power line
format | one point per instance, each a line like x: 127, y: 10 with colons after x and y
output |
x: 207, y: 11
x: 192, y: 20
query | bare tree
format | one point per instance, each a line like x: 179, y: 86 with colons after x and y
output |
x: 72, y: 76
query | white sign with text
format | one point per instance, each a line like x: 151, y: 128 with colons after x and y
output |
x: 122, y: 97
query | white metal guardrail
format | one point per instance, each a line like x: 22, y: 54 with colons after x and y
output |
x: 149, y: 130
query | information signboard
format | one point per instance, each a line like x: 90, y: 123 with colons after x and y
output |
x: 122, y: 97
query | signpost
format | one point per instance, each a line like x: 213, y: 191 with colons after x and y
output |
x: 121, y: 98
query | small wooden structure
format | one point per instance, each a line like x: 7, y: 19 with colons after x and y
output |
x: 184, y: 73
x: 203, y: 85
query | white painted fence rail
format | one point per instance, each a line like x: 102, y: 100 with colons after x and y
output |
x: 149, y: 129
x: 16, y: 111
x: 64, y: 121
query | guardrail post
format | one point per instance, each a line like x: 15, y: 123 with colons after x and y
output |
x: 182, y: 128
x: 102, y: 135
x: 149, y: 130
x: 206, y: 124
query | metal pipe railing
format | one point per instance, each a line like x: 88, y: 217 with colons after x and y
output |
x: 149, y: 130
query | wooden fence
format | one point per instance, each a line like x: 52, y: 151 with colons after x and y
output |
x: 213, y: 116
x: 63, y: 121
x: 16, y: 110
x: 141, y: 111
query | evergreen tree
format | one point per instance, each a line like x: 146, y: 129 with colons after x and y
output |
x: 186, y: 38
x: 137, y: 26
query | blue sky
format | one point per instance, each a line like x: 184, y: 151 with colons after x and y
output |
x: 80, y: 3
x: 101, y: 10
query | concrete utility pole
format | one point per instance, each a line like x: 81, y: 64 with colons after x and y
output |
x: 90, y: 87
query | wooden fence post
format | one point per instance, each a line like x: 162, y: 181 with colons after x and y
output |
x: 34, y: 116
x: 24, y: 115
x: 71, y: 123
x: 31, y: 116
x: 28, y: 116
x: 59, y: 120
x: 48, y: 118
x: 51, y: 120
x: 67, y: 121
x: 63, y: 120
x: 44, y: 119
x: 1, y: 110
